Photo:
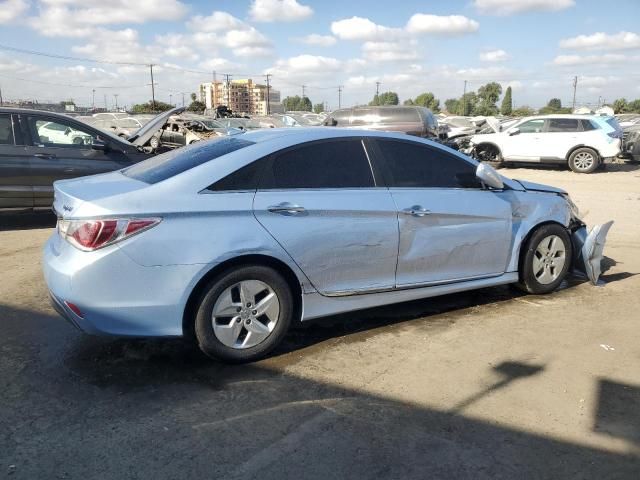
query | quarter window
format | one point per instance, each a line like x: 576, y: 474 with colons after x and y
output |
x: 413, y: 165
x: 332, y: 164
x: 563, y: 125
x: 6, y: 130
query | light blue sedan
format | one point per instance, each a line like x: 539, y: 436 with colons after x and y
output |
x: 232, y: 240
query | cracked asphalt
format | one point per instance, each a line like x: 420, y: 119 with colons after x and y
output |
x: 484, y: 384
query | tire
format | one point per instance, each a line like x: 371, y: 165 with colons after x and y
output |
x: 231, y: 335
x: 489, y: 154
x: 539, y: 273
x: 584, y: 160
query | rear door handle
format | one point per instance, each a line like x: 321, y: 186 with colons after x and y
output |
x: 286, y: 208
x: 44, y: 155
x: 416, y: 211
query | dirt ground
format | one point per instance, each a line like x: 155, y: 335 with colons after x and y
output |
x: 487, y: 384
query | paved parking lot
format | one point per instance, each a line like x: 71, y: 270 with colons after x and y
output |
x: 488, y: 384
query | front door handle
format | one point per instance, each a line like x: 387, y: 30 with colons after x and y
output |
x: 44, y: 155
x: 416, y: 211
x: 286, y: 208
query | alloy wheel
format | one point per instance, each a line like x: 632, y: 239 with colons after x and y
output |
x: 549, y: 259
x: 245, y: 314
x: 583, y: 160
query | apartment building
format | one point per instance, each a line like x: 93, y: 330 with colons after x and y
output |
x: 241, y: 96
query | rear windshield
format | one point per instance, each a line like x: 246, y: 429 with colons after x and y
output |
x: 180, y: 160
x: 614, y: 123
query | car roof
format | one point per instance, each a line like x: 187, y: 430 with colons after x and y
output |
x: 302, y: 134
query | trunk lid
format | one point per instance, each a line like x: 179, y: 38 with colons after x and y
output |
x: 70, y: 194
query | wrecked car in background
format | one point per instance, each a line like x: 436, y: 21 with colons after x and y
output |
x: 438, y: 222
x: 185, y: 129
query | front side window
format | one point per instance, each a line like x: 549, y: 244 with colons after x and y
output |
x: 563, y: 125
x: 414, y: 165
x: 59, y: 133
x: 329, y: 164
x: 532, y: 126
x: 6, y: 130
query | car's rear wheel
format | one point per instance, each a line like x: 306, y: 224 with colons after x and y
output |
x: 489, y: 154
x: 584, y: 160
x: 545, y: 261
x: 243, y: 314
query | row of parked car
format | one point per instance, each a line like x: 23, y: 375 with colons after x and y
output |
x: 37, y: 148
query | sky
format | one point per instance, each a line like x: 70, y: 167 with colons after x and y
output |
x: 409, y: 46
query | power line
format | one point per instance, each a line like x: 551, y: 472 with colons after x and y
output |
x: 68, y: 84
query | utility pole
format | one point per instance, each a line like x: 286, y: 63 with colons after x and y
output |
x: 340, y: 96
x: 153, y: 89
x: 116, y: 96
x: 575, y: 85
x: 464, y: 99
x: 378, y: 92
x: 228, y: 88
x: 171, y: 99
x: 93, y: 99
x: 303, y: 88
x: 105, y: 104
x: 1, y: 101
x: 183, y: 99
x: 268, y: 75
x: 214, y: 93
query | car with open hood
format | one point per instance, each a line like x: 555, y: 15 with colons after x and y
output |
x: 231, y: 241
x: 38, y: 148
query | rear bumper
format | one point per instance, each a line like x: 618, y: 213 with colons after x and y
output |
x: 115, y: 295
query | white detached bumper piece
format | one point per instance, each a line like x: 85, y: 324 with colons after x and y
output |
x: 588, y: 250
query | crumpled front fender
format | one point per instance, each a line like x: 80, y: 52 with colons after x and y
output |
x: 588, y: 250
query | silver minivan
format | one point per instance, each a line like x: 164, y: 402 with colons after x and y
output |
x: 412, y: 120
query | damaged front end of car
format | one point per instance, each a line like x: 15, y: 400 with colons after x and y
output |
x: 588, y: 249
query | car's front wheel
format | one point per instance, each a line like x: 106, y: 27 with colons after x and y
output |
x: 545, y: 260
x: 584, y: 160
x: 489, y: 154
x: 243, y: 314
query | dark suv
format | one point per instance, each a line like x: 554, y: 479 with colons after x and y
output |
x: 413, y: 120
x: 38, y: 148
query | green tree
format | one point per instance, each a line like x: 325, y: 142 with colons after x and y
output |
x: 620, y: 105
x: 318, y: 108
x: 297, y: 103
x: 386, y: 98
x: 488, y: 95
x: 194, y: 97
x: 305, y: 104
x: 196, y: 106
x: 149, y: 107
x: 468, y: 103
x: 523, y: 111
x: 555, y: 103
x: 507, y: 103
x: 428, y: 99
x: 452, y: 105
x: 634, y: 106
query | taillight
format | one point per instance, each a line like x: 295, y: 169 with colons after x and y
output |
x: 90, y: 235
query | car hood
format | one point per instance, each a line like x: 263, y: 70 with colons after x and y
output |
x: 539, y: 187
x: 141, y: 137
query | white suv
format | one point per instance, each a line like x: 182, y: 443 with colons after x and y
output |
x: 581, y: 141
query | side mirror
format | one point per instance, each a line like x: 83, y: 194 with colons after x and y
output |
x: 99, y: 145
x: 487, y: 175
x: 513, y: 131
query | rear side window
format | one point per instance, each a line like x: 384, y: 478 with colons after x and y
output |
x: 332, y: 164
x: 6, y: 130
x: 243, y: 179
x: 413, y: 165
x: 180, y: 160
x: 588, y: 125
x: 563, y: 125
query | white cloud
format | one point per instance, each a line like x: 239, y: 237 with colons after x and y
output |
x: 359, y: 28
x: 441, y: 24
x: 389, y: 51
x: 607, y: 59
x: 12, y: 9
x: 306, y: 68
x: 176, y: 45
x: 216, y: 22
x: 494, y: 56
x: 116, y: 46
x: 77, y: 18
x: 510, y: 7
x: 603, y: 41
x: 319, y: 40
x: 279, y: 11
x: 489, y: 74
x: 596, y: 81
